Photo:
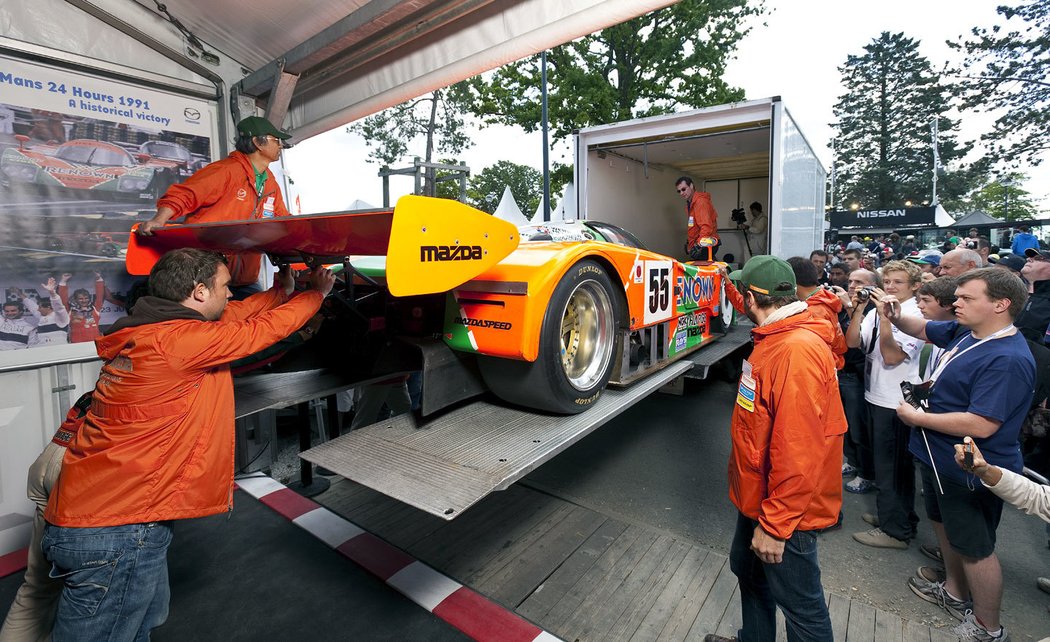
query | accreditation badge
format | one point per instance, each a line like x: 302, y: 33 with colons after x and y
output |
x: 268, y: 207
x: 745, y: 396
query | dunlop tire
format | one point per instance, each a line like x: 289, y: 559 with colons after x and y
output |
x: 543, y: 384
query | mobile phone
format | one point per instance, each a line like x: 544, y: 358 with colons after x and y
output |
x: 968, y: 454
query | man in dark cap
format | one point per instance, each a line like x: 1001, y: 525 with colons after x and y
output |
x: 788, y: 415
x: 238, y: 187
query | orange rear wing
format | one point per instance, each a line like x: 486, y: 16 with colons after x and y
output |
x: 432, y: 244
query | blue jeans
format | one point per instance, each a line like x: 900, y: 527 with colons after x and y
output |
x: 115, y: 580
x: 793, y: 585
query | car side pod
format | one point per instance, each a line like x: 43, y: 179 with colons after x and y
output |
x: 438, y: 244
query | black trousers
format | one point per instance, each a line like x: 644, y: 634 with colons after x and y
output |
x: 894, y: 472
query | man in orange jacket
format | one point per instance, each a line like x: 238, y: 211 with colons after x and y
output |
x: 238, y: 187
x: 784, y: 475
x: 158, y: 442
x: 702, y: 222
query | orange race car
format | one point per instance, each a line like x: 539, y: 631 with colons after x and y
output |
x: 544, y: 317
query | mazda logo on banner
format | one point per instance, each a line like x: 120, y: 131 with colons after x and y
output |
x: 191, y: 113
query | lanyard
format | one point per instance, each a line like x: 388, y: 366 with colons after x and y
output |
x: 947, y: 358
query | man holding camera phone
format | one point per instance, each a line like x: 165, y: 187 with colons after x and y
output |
x: 891, y: 356
x: 982, y: 388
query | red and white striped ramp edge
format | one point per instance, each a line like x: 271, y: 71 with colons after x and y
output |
x: 461, y: 607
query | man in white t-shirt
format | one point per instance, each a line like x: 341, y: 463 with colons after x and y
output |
x: 891, y: 357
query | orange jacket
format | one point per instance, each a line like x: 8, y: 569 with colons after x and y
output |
x: 225, y: 191
x: 158, y: 441
x: 787, y: 427
x: 703, y: 219
x: 825, y: 305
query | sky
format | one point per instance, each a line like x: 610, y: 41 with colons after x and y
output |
x: 795, y: 54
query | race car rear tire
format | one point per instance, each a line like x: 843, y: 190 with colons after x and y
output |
x: 578, y: 341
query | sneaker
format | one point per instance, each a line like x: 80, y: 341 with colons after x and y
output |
x: 932, y: 552
x: 860, y: 485
x: 1043, y: 583
x: 932, y: 574
x: 870, y: 519
x: 711, y: 637
x: 848, y: 471
x: 878, y: 539
x: 935, y: 593
x: 971, y: 631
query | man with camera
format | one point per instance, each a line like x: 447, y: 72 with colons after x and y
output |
x: 891, y: 357
x: 702, y: 222
x: 755, y: 231
x: 981, y: 387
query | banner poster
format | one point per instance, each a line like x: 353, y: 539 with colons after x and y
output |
x: 82, y: 158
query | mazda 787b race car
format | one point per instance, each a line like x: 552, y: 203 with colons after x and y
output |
x: 544, y: 317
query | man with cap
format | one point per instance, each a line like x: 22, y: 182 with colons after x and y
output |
x: 238, y: 187
x: 909, y: 245
x: 788, y: 414
x: 1034, y: 318
x: 1011, y: 262
x: 929, y: 264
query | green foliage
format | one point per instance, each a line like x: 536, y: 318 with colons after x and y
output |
x: 1005, y: 195
x: 884, y: 152
x: 448, y: 188
x: 1006, y: 70
x: 665, y: 60
x: 486, y: 187
x: 433, y: 123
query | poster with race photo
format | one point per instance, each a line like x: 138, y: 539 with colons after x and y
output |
x: 82, y: 159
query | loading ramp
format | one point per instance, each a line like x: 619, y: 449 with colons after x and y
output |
x: 446, y: 464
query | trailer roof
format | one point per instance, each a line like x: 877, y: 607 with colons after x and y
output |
x: 345, y: 59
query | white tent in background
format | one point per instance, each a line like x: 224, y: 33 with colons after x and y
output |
x: 566, y: 209
x: 508, y: 209
x: 537, y: 216
x: 358, y: 204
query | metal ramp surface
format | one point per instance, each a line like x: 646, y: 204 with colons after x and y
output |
x: 447, y: 464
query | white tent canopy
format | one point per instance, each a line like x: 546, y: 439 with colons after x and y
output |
x: 508, y: 209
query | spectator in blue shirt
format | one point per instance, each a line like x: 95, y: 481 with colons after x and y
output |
x: 982, y: 387
x: 1023, y: 240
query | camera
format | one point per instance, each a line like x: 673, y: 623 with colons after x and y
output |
x: 917, y: 395
x: 865, y: 292
x: 738, y: 216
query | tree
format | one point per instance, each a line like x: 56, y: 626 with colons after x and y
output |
x: 525, y: 183
x: 884, y: 151
x: 1005, y: 198
x: 1007, y: 71
x: 434, y: 120
x: 653, y: 64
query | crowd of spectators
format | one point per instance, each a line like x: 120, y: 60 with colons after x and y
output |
x: 947, y: 351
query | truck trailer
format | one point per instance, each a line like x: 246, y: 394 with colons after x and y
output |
x: 740, y: 153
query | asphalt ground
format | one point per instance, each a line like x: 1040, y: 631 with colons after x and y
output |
x: 253, y: 575
x: 663, y: 464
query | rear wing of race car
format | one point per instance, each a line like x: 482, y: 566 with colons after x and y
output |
x: 431, y: 244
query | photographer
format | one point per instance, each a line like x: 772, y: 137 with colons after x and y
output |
x: 891, y: 357
x: 982, y: 389
x: 755, y: 231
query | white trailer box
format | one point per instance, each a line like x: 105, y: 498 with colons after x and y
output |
x: 744, y: 152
